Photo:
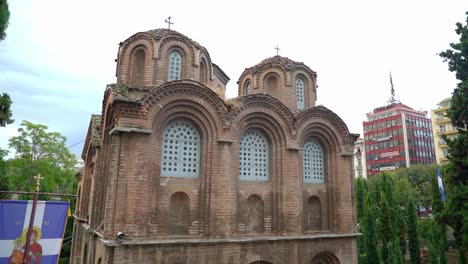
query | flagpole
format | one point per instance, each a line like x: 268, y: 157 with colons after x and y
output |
x: 31, y: 220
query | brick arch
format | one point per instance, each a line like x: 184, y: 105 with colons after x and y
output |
x: 179, y: 213
x: 125, y: 58
x: 204, y: 55
x: 252, y: 258
x: 266, y: 107
x: 313, y: 214
x: 325, y: 257
x: 172, y: 189
x: 309, y: 87
x: 252, y: 215
x: 185, y: 48
x: 185, y: 95
x: 242, y: 85
x: 328, y: 121
x: 262, y: 75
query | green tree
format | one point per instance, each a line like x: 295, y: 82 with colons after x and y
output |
x: 3, y: 179
x: 413, y: 243
x: 5, y: 111
x: 4, y: 18
x: 370, y: 232
x: 457, y: 180
x: 38, y: 151
x: 438, y: 213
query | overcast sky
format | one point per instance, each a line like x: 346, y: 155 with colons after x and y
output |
x: 58, y: 56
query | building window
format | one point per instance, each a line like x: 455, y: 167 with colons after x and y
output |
x: 139, y: 66
x: 180, y: 150
x: 175, y: 66
x: 312, y: 163
x: 253, y: 156
x: 248, y: 88
x: 300, y: 93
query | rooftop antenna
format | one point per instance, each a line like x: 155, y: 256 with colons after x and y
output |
x: 392, y: 98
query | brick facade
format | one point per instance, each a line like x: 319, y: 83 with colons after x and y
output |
x: 215, y: 217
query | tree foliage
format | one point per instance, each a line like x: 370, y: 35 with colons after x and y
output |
x: 456, y: 179
x: 4, y: 18
x: 5, y: 110
x: 413, y: 239
x: 38, y: 151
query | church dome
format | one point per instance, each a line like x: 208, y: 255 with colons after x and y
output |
x: 151, y: 58
x: 291, y: 82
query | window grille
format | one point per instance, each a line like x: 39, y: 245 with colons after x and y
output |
x: 313, y: 162
x: 180, y: 150
x: 175, y: 65
x: 253, y: 156
x: 248, y: 88
x: 300, y: 93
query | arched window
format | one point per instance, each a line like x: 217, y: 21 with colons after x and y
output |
x: 253, y: 156
x: 312, y: 163
x: 179, y: 213
x: 139, y: 66
x: 300, y: 93
x: 313, y: 214
x: 203, y: 72
x: 180, y: 150
x: 248, y: 88
x: 175, y: 65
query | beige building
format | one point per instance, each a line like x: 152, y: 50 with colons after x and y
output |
x: 173, y: 173
x: 442, y: 125
x: 360, y: 168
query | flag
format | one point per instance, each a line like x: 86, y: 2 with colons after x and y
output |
x: 47, y: 234
x: 441, y: 185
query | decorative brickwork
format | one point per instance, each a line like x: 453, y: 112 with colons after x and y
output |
x: 298, y: 207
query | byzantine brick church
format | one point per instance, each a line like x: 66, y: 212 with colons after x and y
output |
x: 176, y: 174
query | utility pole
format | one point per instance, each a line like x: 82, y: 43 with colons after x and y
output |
x: 31, y: 220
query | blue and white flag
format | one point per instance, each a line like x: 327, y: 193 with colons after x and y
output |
x: 47, y: 235
x: 441, y: 185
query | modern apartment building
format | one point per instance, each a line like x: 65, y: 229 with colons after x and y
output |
x: 396, y: 136
x: 442, y: 125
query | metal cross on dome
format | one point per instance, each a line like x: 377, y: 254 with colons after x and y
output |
x: 169, y: 23
x: 277, y: 50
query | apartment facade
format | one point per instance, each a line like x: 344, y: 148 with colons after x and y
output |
x: 397, y: 136
x: 442, y: 125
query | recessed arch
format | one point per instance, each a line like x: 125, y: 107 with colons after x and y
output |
x: 203, y: 72
x: 313, y: 214
x: 179, y: 213
x: 325, y: 258
x: 138, y: 65
x: 253, y: 214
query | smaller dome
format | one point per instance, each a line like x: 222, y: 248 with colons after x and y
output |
x: 160, y: 33
x: 287, y: 63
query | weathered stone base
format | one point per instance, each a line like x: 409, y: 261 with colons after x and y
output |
x: 328, y: 248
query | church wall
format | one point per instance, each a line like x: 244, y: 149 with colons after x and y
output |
x: 214, y: 217
x: 237, y: 252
